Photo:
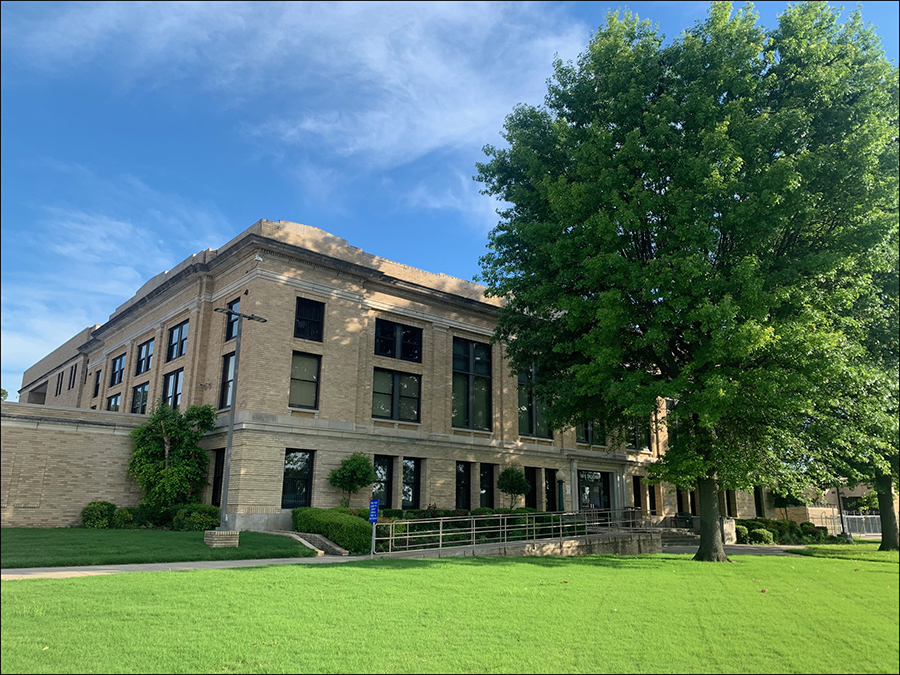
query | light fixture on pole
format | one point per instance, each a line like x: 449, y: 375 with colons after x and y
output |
x: 223, y: 518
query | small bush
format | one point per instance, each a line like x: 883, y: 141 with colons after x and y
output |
x: 740, y: 533
x: 196, y: 517
x: 125, y: 518
x: 503, y: 510
x: 396, y: 514
x: 152, y: 515
x: 483, y: 511
x: 760, y: 536
x: 349, y: 532
x: 98, y: 515
x: 526, y: 509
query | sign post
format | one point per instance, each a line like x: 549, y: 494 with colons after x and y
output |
x: 373, y: 518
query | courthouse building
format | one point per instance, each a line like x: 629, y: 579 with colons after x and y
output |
x: 358, y: 354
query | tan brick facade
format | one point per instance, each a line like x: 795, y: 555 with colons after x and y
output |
x: 267, y: 268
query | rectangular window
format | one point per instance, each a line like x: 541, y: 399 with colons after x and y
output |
x: 487, y: 485
x: 679, y: 500
x: 227, y: 381
x: 397, y: 341
x: 651, y: 499
x: 177, y: 341
x: 550, y: 489
x: 396, y: 396
x: 730, y: 504
x: 113, y: 402
x: 144, y: 357
x: 464, y: 485
x: 638, y: 435
x: 218, y: 473
x: 637, y: 489
x: 531, y: 411
x: 592, y: 433
x: 117, y: 371
x: 595, y: 489
x: 309, y: 319
x: 139, y: 397
x: 531, y: 496
x: 172, y: 388
x: 412, y: 469
x: 383, y: 487
x: 296, y: 489
x: 471, y: 407
x: 59, y: 383
x: 231, y: 320
x: 72, y: 375
x: 304, y: 381
x: 97, y: 380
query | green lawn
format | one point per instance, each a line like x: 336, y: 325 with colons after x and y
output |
x: 596, y: 614
x: 42, y: 547
x: 867, y: 551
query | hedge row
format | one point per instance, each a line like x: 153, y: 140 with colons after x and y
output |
x: 185, y: 517
x: 785, y: 531
x: 347, y: 530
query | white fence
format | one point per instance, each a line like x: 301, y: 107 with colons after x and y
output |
x: 856, y: 525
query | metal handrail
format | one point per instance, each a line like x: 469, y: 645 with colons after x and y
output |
x: 451, y: 531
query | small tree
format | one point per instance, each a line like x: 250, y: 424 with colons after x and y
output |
x: 354, y: 473
x: 512, y: 482
x: 3, y: 394
x: 167, y: 463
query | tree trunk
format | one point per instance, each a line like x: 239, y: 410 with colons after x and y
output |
x: 712, y: 548
x: 889, y: 536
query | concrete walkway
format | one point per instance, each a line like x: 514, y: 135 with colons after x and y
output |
x: 90, y: 570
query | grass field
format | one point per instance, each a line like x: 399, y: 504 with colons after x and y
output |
x: 42, y: 547
x: 867, y: 551
x: 597, y: 614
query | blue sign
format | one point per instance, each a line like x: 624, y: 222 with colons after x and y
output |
x: 373, y: 510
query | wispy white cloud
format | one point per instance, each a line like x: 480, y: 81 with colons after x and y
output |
x: 461, y: 194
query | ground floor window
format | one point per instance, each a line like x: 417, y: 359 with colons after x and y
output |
x: 651, y: 501
x: 531, y: 474
x: 550, y: 489
x: 637, y: 490
x: 464, y: 485
x: 412, y: 478
x: 595, y: 489
x: 139, y: 396
x: 218, y: 472
x: 383, y: 487
x: 297, y: 486
x: 487, y: 485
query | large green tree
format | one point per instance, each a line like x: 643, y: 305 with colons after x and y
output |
x: 167, y: 463
x: 682, y: 218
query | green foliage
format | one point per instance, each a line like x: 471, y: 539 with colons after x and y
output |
x: 153, y: 515
x: 740, y: 533
x: 125, y: 518
x: 3, y: 394
x: 349, y: 532
x: 167, y: 463
x: 196, y: 517
x: 392, y: 513
x: 760, y: 536
x: 866, y: 502
x: 512, y: 482
x: 695, y: 221
x: 98, y: 515
x: 483, y: 511
x: 354, y: 473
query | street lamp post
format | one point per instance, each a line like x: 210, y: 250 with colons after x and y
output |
x: 223, y: 517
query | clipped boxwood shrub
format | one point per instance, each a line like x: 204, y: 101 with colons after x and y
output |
x: 760, y: 536
x: 98, y: 515
x: 396, y: 514
x: 349, y: 532
x: 483, y: 511
x: 152, y: 515
x: 740, y: 533
x: 125, y: 518
x: 196, y: 517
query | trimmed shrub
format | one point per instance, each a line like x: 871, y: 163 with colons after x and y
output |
x: 526, y: 509
x: 196, y: 517
x: 349, y: 532
x: 125, y: 518
x: 483, y: 511
x: 760, y: 536
x: 98, y: 515
x: 396, y: 514
x: 740, y: 533
x: 152, y: 515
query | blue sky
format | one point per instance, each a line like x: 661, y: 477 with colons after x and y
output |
x: 135, y: 134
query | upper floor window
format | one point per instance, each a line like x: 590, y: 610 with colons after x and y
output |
x: 532, y: 421
x: 396, y: 396
x: 231, y: 320
x: 117, y: 371
x: 72, y: 375
x: 59, y: 382
x: 139, y: 395
x: 637, y: 435
x: 304, y: 381
x: 144, y: 357
x: 177, y: 341
x: 592, y: 433
x: 98, y: 378
x: 309, y: 319
x: 471, y: 384
x: 397, y: 341
x: 227, y: 388
x: 113, y: 402
x: 172, y: 388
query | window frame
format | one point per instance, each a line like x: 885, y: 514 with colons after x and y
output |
x: 115, y: 399
x: 144, y: 357
x: 176, y: 376
x: 317, y: 381
x: 386, y: 483
x: 177, y: 345
x: 73, y: 372
x: 306, y: 492
x: 414, y: 464
x: 471, y: 376
x: 226, y: 388
x: 586, y: 433
x: 59, y: 382
x: 317, y: 331
x: 397, y: 397
x: 117, y: 370
x: 231, y: 320
x: 98, y: 380
x: 396, y: 341
x: 145, y: 387
x: 486, y: 494
x: 533, y: 408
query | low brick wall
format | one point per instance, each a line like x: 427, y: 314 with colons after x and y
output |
x: 54, y: 461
